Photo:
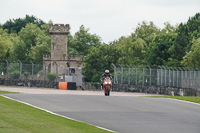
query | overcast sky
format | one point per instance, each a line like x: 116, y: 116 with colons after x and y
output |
x: 110, y: 19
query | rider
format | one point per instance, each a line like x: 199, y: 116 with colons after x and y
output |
x: 106, y: 74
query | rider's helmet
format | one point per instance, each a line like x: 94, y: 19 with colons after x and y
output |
x: 107, y: 72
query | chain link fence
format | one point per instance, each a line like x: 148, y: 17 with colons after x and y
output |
x: 157, y: 76
x: 18, y: 73
x: 23, y: 71
x: 22, y: 74
x: 125, y: 77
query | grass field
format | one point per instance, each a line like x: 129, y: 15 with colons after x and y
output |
x: 16, y: 117
x: 184, y: 98
x: 7, y: 92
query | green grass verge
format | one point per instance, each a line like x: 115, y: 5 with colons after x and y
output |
x: 16, y: 117
x: 185, y: 98
x: 7, y: 92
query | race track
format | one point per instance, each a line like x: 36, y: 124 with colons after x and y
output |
x: 122, y: 114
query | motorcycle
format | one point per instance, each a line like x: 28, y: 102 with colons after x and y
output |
x: 107, y: 85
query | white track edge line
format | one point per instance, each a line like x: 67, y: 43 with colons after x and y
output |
x: 57, y: 114
x: 184, y: 101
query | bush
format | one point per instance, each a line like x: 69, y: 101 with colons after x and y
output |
x: 15, y: 74
x: 51, y: 76
x: 26, y: 74
x: 13, y: 70
x: 40, y: 72
x: 13, y: 67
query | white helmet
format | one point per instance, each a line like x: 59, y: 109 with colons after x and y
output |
x: 107, y: 71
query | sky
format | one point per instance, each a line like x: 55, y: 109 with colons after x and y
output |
x: 109, y: 19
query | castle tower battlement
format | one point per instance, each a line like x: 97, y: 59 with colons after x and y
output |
x: 59, y: 29
x: 46, y: 57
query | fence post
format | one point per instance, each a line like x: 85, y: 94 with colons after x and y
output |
x: 115, y: 74
x: 149, y: 74
x: 56, y: 70
x: 185, y: 78
x: 135, y: 74
x: 44, y: 70
x: 121, y: 74
x: 176, y: 76
x: 142, y: 75
x: 20, y: 67
x: 194, y: 81
x: 190, y: 79
x: 197, y: 75
x: 160, y: 75
x: 180, y: 81
x: 173, y: 77
x: 129, y: 74
x: 165, y: 75
x: 7, y: 68
x: 32, y: 73
x: 185, y: 69
x: 169, y: 75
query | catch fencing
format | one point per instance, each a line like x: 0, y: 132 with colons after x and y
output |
x: 176, y: 77
x: 124, y: 77
x: 22, y: 74
x: 20, y: 70
x: 19, y: 73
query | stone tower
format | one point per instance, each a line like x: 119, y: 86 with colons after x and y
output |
x: 59, y: 62
x: 59, y: 34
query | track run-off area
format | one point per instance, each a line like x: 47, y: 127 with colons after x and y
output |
x: 120, y: 112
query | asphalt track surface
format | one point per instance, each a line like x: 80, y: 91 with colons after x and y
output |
x: 122, y: 114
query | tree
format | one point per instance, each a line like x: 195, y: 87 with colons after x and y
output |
x: 182, y: 41
x: 97, y: 60
x: 161, y: 49
x: 6, y: 42
x: 131, y: 49
x: 191, y: 59
x: 42, y: 46
x: 37, y: 52
x: 186, y: 33
x: 83, y: 40
x: 32, y: 34
x: 45, y: 27
x: 146, y: 31
x: 19, y: 51
x: 194, y: 23
x: 71, y: 46
x: 33, y: 44
x: 168, y: 28
x: 15, y: 25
